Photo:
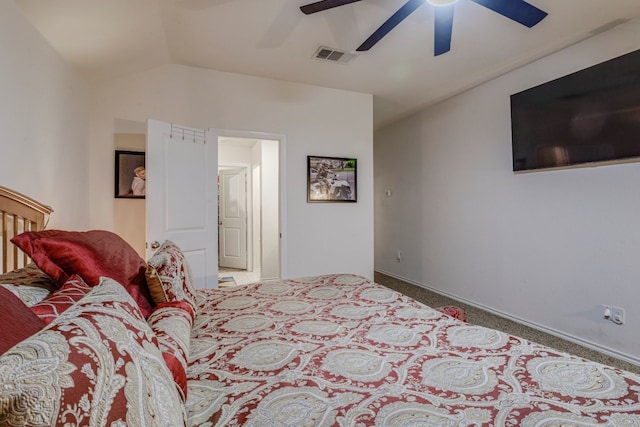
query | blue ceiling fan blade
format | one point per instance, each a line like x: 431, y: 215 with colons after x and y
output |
x: 443, y: 27
x: 517, y: 10
x: 407, y: 9
x: 319, y: 6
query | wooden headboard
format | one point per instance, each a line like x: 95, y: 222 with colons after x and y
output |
x: 18, y: 213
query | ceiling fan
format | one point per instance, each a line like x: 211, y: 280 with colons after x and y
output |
x: 517, y: 10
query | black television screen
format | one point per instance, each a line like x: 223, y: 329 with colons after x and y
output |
x: 587, y: 117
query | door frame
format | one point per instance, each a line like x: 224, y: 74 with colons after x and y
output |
x: 282, y: 180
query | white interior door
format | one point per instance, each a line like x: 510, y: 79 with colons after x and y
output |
x: 232, y: 218
x: 181, y: 195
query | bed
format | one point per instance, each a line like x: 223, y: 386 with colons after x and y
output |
x: 335, y: 349
x: 18, y: 213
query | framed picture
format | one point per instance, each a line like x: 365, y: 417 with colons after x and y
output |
x: 130, y: 175
x: 331, y: 179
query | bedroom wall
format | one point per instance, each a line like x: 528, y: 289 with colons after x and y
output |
x: 44, y: 123
x: 547, y: 248
x: 314, y: 120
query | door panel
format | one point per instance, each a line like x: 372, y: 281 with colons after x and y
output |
x: 182, y: 195
x: 233, y: 218
x: 185, y: 188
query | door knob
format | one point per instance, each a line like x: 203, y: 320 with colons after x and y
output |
x: 155, y: 244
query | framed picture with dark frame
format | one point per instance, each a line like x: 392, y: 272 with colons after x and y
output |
x: 130, y: 175
x: 332, y: 179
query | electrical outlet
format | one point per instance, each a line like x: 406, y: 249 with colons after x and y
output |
x: 399, y: 256
x: 615, y: 314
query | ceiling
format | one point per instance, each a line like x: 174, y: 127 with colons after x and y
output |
x: 274, y: 39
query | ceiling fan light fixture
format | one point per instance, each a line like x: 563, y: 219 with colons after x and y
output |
x: 441, y: 2
x: 520, y: 11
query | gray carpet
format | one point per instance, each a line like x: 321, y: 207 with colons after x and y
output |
x: 490, y: 320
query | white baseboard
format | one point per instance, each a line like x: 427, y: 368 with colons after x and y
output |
x: 577, y: 340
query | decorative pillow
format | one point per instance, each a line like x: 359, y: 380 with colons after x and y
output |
x: 55, y: 304
x: 91, y: 255
x: 97, y: 364
x: 172, y: 322
x: 29, y: 295
x: 29, y: 275
x: 17, y: 320
x: 169, y: 276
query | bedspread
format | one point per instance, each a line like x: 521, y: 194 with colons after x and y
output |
x: 341, y: 350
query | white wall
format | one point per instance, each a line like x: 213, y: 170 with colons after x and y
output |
x: 269, y: 215
x: 547, y: 247
x: 256, y: 175
x: 43, y: 122
x: 314, y: 120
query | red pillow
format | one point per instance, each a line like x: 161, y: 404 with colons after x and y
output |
x: 60, y: 300
x: 91, y: 255
x: 17, y: 320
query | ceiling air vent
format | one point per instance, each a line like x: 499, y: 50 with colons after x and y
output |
x: 333, y: 55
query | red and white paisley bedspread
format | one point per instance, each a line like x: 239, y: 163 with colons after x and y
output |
x: 340, y: 350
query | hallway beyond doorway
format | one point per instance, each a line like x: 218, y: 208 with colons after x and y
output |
x: 259, y: 247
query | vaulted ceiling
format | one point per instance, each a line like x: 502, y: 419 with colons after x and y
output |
x: 274, y: 39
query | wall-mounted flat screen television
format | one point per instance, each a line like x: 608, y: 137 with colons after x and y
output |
x: 590, y: 117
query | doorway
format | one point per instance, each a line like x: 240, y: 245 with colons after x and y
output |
x: 248, y: 209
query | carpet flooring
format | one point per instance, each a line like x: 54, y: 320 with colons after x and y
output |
x: 490, y: 320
